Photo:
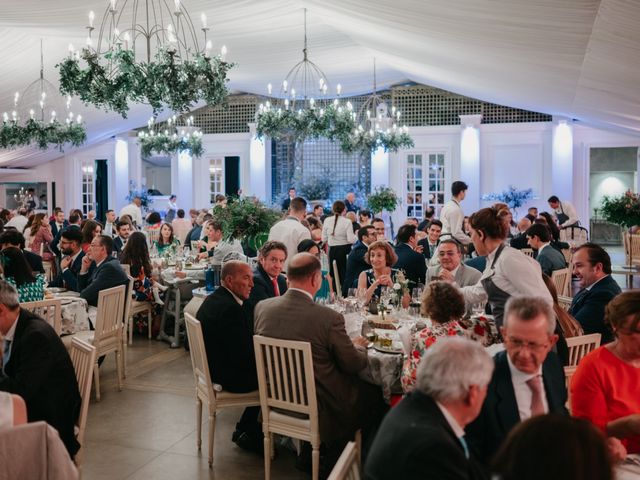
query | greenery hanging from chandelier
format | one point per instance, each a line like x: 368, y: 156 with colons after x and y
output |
x: 161, y: 143
x: 33, y: 132
x: 390, y: 141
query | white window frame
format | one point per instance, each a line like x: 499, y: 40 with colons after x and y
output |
x: 88, y: 191
x: 216, y: 177
x: 418, y: 178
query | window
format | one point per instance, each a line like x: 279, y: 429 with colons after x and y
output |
x: 216, y: 177
x: 425, y: 183
x: 88, y: 186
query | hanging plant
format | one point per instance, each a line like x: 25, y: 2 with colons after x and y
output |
x: 170, y: 144
x: 33, y: 132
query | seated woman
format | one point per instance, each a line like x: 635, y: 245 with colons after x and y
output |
x: 315, y: 227
x: 90, y: 229
x: 41, y: 237
x: 18, y: 273
x: 604, y: 388
x: 181, y: 226
x: 444, y: 304
x: 166, y: 244
x: 136, y: 255
x: 154, y: 221
x: 207, y: 244
x: 312, y: 247
x: 380, y: 256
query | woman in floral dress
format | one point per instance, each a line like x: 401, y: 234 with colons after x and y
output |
x: 18, y: 273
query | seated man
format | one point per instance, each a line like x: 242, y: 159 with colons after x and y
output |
x: 532, y: 214
x: 528, y: 379
x: 345, y: 403
x: 99, y: 270
x: 423, y: 436
x: 268, y: 281
x: 124, y: 230
x: 592, y: 266
x: 37, y: 367
x: 71, y: 263
x: 519, y: 241
x: 451, y: 268
x: 75, y: 221
x: 409, y: 260
x: 222, y: 247
x: 227, y: 327
x: 13, y: 238
x: 355, y: 260
x: 550, y: 259
x: 430, y: 243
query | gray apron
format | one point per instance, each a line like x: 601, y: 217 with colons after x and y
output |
x: 497, y: 297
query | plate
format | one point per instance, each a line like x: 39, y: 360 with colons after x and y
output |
x: 56, y: 290
x: 194, y: 267
x: 389, y: 350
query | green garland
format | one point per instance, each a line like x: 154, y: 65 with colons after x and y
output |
x: 391, y: 141
x: 162, y: 83
x: 13, y: 135
x: 169, y: 144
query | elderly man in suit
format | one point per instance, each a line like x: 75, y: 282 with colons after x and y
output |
x: 227, y: 327
x: 519, y: 241
x: 71, y: 263
x: 13, y: 238
x: 423, y: 436
x: 549, y: 258
x: 409, y: 260
x: 356, y: 263
x: 99, y: 270
x: 36, y: 366
x: 528, y: 379
x: 592, y: 266
x: 451, y: 268
x: 268, y: 280
x: 345, y: 403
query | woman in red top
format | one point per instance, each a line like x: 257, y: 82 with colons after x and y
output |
x: 606, y: 386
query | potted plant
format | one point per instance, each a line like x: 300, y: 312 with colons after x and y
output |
x: 383, y: 198
x: 624, y: 211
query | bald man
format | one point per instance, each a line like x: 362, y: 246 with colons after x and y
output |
x: 520, y: 240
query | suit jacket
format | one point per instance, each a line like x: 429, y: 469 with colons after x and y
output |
x: 519, y: 241
x: 285, y: 204
x: 500, y: 412
x: 355, y: 266
x: 108, y: 275
x: 40, y: 371
x: 464, y: 277
x: 551, y: 260
x: 588, y: 307
x: 56, y: 239
x: 118, y: 244
x: 69, y: 278
x: 34, y: 260
x: 262, y: 286
x: 54, y: 227
x: 426, y: 249
x: 227, y: 328
x: 411, y: 262
x: 336, y: 361
x: 416, y: 441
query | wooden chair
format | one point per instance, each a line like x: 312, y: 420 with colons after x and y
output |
x: 568, y: 256
x: 562, y: 281
x: 206, y: 392
x: 631, y: 248
x: 153, y: 235
x: 580, y: 346
x: 131, y: 309
x: 107, y: 337
x: 568, y: 375
x: 47, y: 265
x: 287, y: 384
x: 348, y: 465
x: 83, y: 357
x: 574, y: 236
x: 527, y: 251
x: 49, y: 310
x: 565, y: 302
x: 336, y: 277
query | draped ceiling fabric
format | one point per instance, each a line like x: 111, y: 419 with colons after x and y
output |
x: 574, y: 58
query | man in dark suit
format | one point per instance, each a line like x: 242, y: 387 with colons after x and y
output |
x: 528, y: 379
x: 37, y: 367
x: 124, y: 230
x: 350, y: 202
x: 99, y: 270
x: 423, y: 436
x: 58, y: 223
x: 287, y: 201
x: 74, y: 222
x: 355, y: 260
x: 71, y: 263
x: 409, y: 260
x: 592, y: 266
x: 268, y: 281
x: 227, y: 327
x: 550, y: 259
x: 13, y: 238
x: 429, y: 213
x: 430, y: 243
x: 520, y: 240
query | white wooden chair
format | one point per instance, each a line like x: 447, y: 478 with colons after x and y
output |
x: 153, y: 234
x: 562, y: 281
x: 336, y: 277
x: 568, y: 375
x: 527, y: 251
x: 47, y: 265
x: 568, y: 255
x: 49, y: 310
x: 580, y: 346
x: 287, y: 383
x: 565, y: 302
x: 348, y: 465
x: 131, y: 309
x: 107, y: 337
x: 206, y: 392
x: 83, y: 357
x: 574, y: 236
x: 631, y: 248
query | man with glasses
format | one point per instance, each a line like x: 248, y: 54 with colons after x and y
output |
x: 99, y: 270
x: 71, y: 263
x: 528, y: 379
x: 451, y: 269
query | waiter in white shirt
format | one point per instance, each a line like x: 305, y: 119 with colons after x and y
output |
x: 290, y: 231
x: 452, y: 215
x: 564, y: 212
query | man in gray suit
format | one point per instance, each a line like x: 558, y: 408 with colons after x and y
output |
x: 345, y: 402
x: 451, y: 268
x: 550, y: 259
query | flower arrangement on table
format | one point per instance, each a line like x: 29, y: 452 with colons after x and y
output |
x: 383, y: 198
x: 246, y: 219
x: 513, y: 197
x: 142, y: 194
x: 401, y: 286
x: 623, y: 210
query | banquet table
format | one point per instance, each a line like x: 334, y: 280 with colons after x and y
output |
x: 75, y: 312
x: 630, y: 469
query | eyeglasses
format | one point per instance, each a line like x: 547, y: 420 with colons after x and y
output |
x: 520, y: 344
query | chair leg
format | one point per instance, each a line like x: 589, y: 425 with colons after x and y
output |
x: 212, y: 430
x: 149, y: 320
x: 272, y: 453
x: 119, y: 368
x: 267, y: 456
x: 96, y: 380
x: 199, y: 423
x: 130, y: 328
x: 124, y: 356
x: 315, y: 462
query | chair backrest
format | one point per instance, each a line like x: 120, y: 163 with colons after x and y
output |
x: 631, y: 248
x: 198, y: 355
x: 562, y: 281
x: 109, y: 319
x: 285, y: 377
x: 126, y: 267
x: 347, y: 467
x: 49, y: 310
x: 574, y: 236
x: 565, y: 302
x: 568, y: 375
x: 336, y: 277
x: 527, y: 251
x: 568, y: 255
x: 83, y: 357
x: 580, y: 346
x: 128, y: 298
x: 153, y: 234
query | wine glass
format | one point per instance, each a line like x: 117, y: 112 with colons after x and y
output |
x: 478, y: 308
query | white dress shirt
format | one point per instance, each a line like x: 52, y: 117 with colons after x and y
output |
x: 343, y: 235
x: 523, y: 391
x: 452, y: 218
x: 18, y: 222
x: 290, y: 232
x: 134, y: 212
x: 569, y: 210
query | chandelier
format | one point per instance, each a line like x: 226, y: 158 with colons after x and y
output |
x: 42, y: 117
x: 145, y: 52
x: 176, y: 135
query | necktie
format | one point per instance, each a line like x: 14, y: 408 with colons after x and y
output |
x: 6, y: 353
x: 463, y: 441
x: 276, y: 290
x: 537, y: 406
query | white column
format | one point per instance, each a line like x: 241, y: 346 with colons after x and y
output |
x: 562, y: 159
x: 135, y: 162
x: 379, y: 168
x: 182, y: 177
x: 72, y: 183
x: 470, y: 160
x: 257, y: 165
x: 120, y: 179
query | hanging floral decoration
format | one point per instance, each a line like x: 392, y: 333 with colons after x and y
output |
x: 174, y: 138
x: 33, y: 132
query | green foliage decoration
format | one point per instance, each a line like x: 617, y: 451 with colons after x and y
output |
x: 623, y: 210
x: 383, y: 198
x: 245, y: 218
x: 169, y: 144
x: 316, y: 188
x: 390, y: 141
x: 14, y: 135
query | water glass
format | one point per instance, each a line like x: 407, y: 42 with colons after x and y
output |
x: 478, y: 308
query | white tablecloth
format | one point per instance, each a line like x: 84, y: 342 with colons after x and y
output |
x: 628, y: 471
x: 75, y: 314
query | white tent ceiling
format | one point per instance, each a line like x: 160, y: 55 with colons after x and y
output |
x: 576, y: 58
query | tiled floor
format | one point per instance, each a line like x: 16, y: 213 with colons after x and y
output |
x: 147, y: 431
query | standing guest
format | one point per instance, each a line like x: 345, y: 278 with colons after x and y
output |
x: 564, y: 211
x: 592, y: 266
x: 424, y: 435
x: 172, y: 208
x: 226, y: 317
x: 166, y: 244
x: 532, y: 214
x: 181, y: 226
x: 318, y: 211
x: 519, y: 240
x: 429, y: 215
x: 110, y: 223
x: 19, y: 220
x: 90, y: 230
x: 528, y: 379
x: 350, y: 203
x: 451, y: 268
x: 13, y: 238
x: 287, y: 201
x: 71, y: 262
x: 37, y: 367
x: 99, y: 270
x: 549, y: 258
x: 378, y: 224
x: 380, y: 256
x: 290, y: 231
x: 133, y: 210
x: 136, y: 255
x: 604, y: 389
x: 337, y: 232
x: 356, y: 263
x: 430, y: 243
x: 364, y: 218
x: 451, y: 214
x: 41, y: 237
x: 409, y: 260
x: 74, y: 222
x: 18, y: 273
x: 268, y: 281
x: 315, y: 227
x: 124, y: 230
x: 58, y: 223
x: 351, y: 216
